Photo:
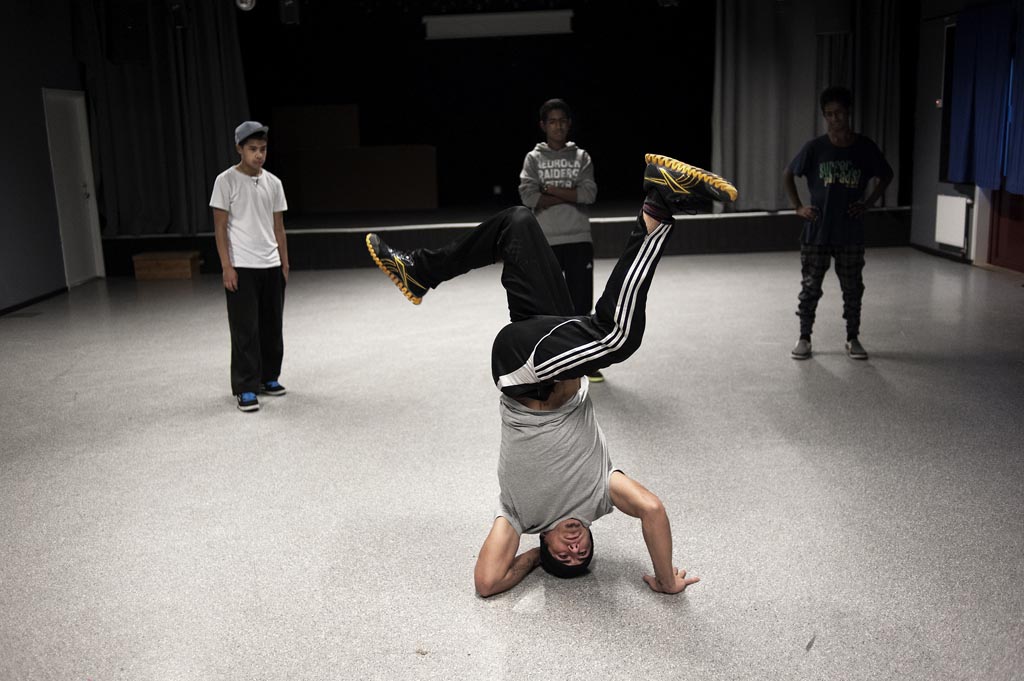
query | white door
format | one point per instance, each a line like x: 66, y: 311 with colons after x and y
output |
x: 71, y: 161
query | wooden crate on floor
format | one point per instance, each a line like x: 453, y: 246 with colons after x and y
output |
x: 166, y: 265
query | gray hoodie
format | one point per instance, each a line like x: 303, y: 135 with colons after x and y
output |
x: 569, y: 167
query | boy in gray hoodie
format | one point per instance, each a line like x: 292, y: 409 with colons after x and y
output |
x: 557, y: 184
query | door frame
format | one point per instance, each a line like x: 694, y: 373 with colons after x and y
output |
x: 83, y: 152
x: 981, y: 227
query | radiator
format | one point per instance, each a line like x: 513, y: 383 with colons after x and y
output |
x: 951, y: 216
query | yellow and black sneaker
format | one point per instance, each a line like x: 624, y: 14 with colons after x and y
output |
x: 399, y: 267
x: 675, y: 184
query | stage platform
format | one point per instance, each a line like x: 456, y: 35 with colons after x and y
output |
x: 333, y: 241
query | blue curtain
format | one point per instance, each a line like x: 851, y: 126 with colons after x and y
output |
x: 961, y: 114
x: 1015, y: 143
x: 981, y: 78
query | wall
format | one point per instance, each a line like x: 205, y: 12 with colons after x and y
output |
x: 315, y: 249
x: 639, y: 81
x: 37, y: 44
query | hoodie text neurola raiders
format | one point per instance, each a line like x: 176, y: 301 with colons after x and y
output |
x: 570, y: 167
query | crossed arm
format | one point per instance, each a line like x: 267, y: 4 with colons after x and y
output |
x: 498, y: 568
x: 535, y: 194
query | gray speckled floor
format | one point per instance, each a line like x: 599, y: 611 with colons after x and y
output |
x: 854, y: 520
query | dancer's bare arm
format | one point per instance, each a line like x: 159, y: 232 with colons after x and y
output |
x: 498, y: 568
x: 633, y: 499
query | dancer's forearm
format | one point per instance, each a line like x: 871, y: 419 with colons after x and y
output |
x: 523, y: 564
x: 658, y: 536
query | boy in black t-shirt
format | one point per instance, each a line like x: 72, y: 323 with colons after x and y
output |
x: 838, y: 167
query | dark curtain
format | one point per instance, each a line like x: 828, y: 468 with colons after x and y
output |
x: 1015, y: 144
x: 773, y: 59
x: 981, y: 77
x: 961, y: 112
x: 166, y: 88
x: 877, y: 88
x: 765, y: 104
x: 834, y: 66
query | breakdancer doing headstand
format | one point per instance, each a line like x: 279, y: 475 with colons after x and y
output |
x: 554, y: 469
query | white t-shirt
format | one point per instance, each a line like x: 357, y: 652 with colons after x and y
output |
x: 250, y: 203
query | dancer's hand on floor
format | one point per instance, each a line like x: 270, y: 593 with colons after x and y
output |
x: 679, y: 583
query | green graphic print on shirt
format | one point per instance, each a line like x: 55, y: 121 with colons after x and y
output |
x: 841, y: 172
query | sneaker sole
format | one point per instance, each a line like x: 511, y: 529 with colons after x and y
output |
x: 414, y: 299
x: 722, y: 189
x: 807, y: 356
x: 595, y: 380
x: 252, y: 407
x: 274, y: 394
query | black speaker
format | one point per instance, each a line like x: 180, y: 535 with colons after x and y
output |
x: 290, y: 12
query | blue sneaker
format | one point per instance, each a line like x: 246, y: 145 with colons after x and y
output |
x: 248, y: 402
x: 272, y: 388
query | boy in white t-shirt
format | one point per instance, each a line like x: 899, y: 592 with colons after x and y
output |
x: 248, y: 205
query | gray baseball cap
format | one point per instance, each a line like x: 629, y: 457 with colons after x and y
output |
x: 248, y: 129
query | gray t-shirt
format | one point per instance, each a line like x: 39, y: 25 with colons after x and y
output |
x: 553, y: 465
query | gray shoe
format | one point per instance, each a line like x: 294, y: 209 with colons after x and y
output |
x: 855, y: 350
x: 802, y: 350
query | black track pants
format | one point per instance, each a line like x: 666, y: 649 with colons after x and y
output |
x: 545, y: 342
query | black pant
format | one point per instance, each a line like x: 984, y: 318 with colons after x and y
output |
x: 545, y: 342
x: 577, y: 263
x: 814, y: 264
x: 255, y: 312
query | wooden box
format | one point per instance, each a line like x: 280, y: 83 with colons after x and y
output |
x: 166, y: 265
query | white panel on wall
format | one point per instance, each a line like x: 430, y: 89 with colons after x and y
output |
x: 951, y: 220
x: 494, y: 24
